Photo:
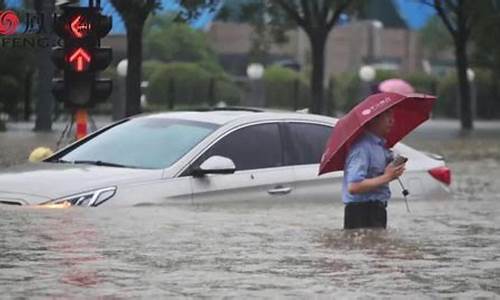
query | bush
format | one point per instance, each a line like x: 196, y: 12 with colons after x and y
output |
x: 346, y: 91
x: 348, y: 88
x: 382, y: 75
x: 447, y: 97
x: 149, y: 67
x: 422, y: 83
x: 9, y: 99
x: 281, y: 84
x: 188, y: 84
x: 487, y: 95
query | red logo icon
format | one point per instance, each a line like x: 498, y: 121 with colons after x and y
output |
x: 8, y: 22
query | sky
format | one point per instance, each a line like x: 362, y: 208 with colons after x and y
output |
x: 415, y: 13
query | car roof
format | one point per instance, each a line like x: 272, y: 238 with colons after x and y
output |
x: 223, y: 117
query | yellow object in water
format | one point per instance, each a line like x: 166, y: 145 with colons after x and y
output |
x: 40, y: 154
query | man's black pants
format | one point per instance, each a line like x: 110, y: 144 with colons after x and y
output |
x: 365, y: 215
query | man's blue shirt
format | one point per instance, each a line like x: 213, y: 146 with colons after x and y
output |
x: 367, y: 158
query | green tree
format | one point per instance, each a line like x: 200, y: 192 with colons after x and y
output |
x: 487, y: 48
x: 461, y: 18
x: 186, y: 84
x: 16, y: 68
x: 288, y: 87
x: 317, y: 18
x: 269, y: 25
x: 486, y: 55
x: 169, y: 41
x: 45, y: 100
x: 435, y: 37
x: 134, y: 14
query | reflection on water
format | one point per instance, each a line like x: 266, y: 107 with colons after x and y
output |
x: 443, y: 248
x: 448, y: 248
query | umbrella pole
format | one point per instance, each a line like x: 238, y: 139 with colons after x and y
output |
x: 405, y: 194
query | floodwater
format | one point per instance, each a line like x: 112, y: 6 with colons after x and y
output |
x: 444, y: 248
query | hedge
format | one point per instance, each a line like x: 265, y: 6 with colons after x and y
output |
x: 348, y: 91
x: 187, y: 84
x: 284, y: 86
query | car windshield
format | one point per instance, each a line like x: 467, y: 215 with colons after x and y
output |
x: 150, y: 143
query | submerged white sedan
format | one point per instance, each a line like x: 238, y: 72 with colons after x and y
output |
x: 201, y: 157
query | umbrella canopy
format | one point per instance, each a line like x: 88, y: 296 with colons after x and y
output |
x: 409, y: 112
x: 396, y: 85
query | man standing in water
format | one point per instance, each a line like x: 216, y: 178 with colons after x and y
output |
x: 367, y: 173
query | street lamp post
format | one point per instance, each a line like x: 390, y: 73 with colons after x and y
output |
x: 367, y: 74
x: 471, y: 76
x: 375, y: 28
x: 257, y: 94
x: 118, y: 103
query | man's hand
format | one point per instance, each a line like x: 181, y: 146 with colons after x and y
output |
x: 391, y: 172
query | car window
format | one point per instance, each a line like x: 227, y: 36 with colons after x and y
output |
x: 152, y: 143
x: 252, y: 147
x: 305, y: 143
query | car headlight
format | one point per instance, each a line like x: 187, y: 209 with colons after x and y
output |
x: 87, y: 199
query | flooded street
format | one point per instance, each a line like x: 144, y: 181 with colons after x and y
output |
x: 443, y: 248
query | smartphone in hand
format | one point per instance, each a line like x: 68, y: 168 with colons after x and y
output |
x: 399, y: 160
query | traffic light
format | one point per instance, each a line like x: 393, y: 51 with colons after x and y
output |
x: 81, y: 58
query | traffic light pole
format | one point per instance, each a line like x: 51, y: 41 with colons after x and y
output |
x: 81, y: 117
x: 80, y: 60
x: 44, y: 100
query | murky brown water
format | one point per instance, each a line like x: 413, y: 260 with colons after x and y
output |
x: 443, y: 248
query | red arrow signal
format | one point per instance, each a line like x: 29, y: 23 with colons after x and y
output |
x: 79, y: 27
x: 80, y: 59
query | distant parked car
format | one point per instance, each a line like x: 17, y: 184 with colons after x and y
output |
x: 200, y: 157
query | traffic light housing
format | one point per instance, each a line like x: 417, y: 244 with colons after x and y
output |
x: 81, y: 58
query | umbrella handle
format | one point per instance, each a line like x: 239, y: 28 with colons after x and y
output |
x: 405, y: 194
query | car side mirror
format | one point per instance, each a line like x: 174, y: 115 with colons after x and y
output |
x: 215, y: 165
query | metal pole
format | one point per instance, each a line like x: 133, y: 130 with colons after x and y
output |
x: 171, y: 94
x: 330, y: 103
x: 211, y: 92
x: 296, y: 94
x: 405, y: 193
x: 81, y: 117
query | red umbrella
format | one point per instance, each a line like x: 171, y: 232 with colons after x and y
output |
x: 409, y: 112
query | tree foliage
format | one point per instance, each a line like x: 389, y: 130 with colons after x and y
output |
x: 169, y: 41
x: 188, y: 84
x: 15, y: 65
x: 315, y: 17
x: 461, y: 18
x: 435, y: 37
x: 287, y: 88
x: 487, y: 46
x: 134, y: 14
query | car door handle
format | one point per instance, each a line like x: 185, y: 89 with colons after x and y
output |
x: 279, y: 190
